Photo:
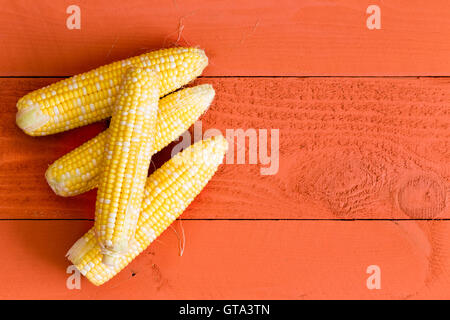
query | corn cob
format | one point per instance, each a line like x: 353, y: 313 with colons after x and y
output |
x: 168, y: 191
x: 78, y: 171
x: 88, y: 97
x: 127, y: 158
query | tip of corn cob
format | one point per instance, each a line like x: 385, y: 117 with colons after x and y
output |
x: 201, y: 61
x: 203, y: 94
x: 208, y: 93
x: 31, y: 118
x: 208, y: 152
x: 203, y: 58
x: 218, y: 145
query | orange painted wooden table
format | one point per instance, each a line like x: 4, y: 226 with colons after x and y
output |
x: 362, y: 179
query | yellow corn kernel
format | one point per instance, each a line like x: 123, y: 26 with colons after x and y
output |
x: 78, y: 171
x: 127, y: 158
x: 168, y: 191
x: 88, y: 97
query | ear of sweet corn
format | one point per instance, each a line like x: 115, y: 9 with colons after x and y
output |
x: 168, y: 191
x: 78, y: 171
x: 127, y: 158
x: 88, y: 97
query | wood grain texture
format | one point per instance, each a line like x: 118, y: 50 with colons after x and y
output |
x: 349, y: 148
x: 240, y: 260
x: 266, y: 37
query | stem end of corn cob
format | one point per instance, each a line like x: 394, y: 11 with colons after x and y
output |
x: 31, y: 118
x: 108, y: 260
x: 79, y: 249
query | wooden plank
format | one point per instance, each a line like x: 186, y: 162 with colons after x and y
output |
x: 264, y: 37
x: 240, y: 260
x: 349, y: 148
